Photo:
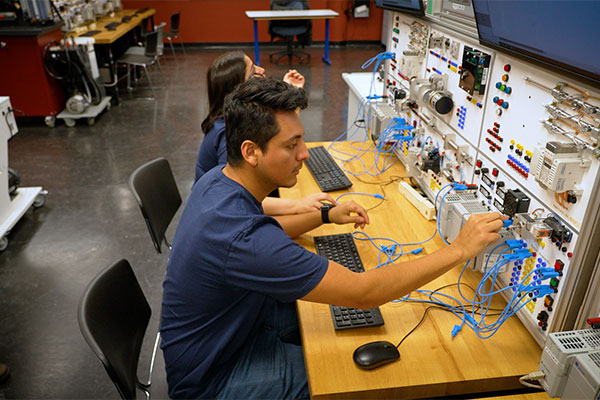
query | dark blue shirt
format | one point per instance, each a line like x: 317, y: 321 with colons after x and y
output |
x: 228, y: 266
x: 213, y: 150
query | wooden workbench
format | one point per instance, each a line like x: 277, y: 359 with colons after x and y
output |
x: 106, y: 36
x: 432, y: 362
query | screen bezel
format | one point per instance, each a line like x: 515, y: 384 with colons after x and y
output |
x: 557, y: 66
x: 416, y: 12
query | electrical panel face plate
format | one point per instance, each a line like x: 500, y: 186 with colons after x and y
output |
x: 526, y: 138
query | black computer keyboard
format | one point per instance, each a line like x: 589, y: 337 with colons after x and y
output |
x: 112, y: 26
x: 327, y: 173
x: 341, y: 249
x: 90, y: 33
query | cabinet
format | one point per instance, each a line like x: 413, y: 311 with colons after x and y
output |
x: 22, y: 74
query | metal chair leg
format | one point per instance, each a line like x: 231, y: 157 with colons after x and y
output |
x: 161, y: 71
x: 150, y: 81
x: 173, y: 50
x: 182, y: 46
x: 129, y: 78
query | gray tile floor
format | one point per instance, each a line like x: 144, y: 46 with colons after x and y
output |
x: 91, y: 220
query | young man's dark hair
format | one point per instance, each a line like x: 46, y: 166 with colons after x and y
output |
x: 250, y: 113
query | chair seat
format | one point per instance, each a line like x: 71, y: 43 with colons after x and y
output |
x: 289, y: 30
x: 139, y: 51
x: 171, y: 35
x: 136, y: 59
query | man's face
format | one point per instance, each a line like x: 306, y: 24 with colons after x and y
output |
x: 282, y: 159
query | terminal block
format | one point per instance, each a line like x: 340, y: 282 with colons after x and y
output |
x: 456, y: 210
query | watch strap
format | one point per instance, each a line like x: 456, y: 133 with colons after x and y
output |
x: 325, y: 214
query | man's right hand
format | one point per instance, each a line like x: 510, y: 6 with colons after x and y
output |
x: 347, y: 213
x: 294, y: 78
x: 479, y: 231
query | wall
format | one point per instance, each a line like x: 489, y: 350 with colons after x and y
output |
x: 225, y: 21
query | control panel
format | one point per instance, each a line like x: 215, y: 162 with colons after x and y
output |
x: 521, y: 140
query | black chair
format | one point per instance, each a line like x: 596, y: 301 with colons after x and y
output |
x: 174, y: 33
x: 146, y: 60
x: 288, y: 29
x: 155, y: 190
x: 113, y: 316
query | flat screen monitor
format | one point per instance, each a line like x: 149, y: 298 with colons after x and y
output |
x: 413, y: 7
x: 561, y: 34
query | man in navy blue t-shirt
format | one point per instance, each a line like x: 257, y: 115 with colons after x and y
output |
x: 229, y: 328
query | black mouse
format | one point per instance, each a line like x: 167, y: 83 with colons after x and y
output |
x: 375, y: 354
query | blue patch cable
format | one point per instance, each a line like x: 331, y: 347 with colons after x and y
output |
x: 361, y: 112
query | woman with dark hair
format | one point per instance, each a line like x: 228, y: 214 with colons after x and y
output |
x: 225, y: 73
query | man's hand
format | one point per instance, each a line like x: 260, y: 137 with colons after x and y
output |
x: 479, y: 231
x: 347, y: 213
x: 294, y: 78
x: 311, y: 203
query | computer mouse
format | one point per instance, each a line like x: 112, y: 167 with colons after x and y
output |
x: 375, y: 354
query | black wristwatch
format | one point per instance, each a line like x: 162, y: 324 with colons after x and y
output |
x: 325, y: 212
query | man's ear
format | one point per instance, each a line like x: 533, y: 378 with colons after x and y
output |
x: 249, y: 152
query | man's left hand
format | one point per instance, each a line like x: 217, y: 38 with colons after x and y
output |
x: 347, y: 213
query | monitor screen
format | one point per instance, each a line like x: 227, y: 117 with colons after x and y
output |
x: 414, y: 7
x: 562, y: 34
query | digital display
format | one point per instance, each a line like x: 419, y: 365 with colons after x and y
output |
x: 561, y: 34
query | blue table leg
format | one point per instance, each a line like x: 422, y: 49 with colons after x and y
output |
x: 326, y: 55
x: 256, y: 52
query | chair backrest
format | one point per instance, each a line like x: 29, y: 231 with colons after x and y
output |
x: 159, y: 39
x: 289, y: 27
x: 151, y: 44
x: 113, y: 316
x: 289, y: 5
x: 154, y: 188
x: 145, y: 23
x: 174, y: 28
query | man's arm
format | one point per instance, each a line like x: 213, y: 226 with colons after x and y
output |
x: 279, y: 206
x: 372, y: 288
x: 346, y: 213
